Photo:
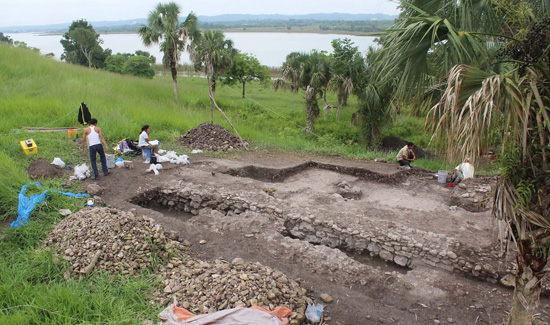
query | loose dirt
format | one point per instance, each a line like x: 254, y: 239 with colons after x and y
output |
x: 40, y: 168
x: 366, y: 289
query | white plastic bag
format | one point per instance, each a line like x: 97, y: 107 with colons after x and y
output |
x: 314, y: 312
x: 58, y: 162
x: 154, y: 142
x: 153, y: 168
x: 182, y: 160
x: 162, y: 159
x: 196, y: 151
x: 81, y: 172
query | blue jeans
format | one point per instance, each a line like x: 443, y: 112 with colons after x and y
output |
x: 98, y: 148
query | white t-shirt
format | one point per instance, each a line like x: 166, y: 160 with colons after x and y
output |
x: 466, y: 169
x: 143, y: 139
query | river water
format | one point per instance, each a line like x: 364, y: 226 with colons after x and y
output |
x: 270, y: 48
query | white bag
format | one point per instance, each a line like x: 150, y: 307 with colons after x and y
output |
x: 58, y: 162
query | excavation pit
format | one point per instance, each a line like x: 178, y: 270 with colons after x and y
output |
x: 247, y: 208
x: 358, y: 228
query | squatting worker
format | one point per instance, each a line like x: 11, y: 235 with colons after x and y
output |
x: 144, y: 140
x: 406, y: 155
x: 462, y: 172
x: 95, y: 138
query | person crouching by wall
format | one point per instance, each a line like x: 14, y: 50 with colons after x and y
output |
x: 95, y: 138
x: 406, y: 155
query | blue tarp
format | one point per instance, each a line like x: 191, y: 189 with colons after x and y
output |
x: 27, y: 204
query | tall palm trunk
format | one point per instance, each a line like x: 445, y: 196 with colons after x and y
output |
x: 211, y: 91
x: 311, y: 102
x: 527, y: 284
x: 175, y: 80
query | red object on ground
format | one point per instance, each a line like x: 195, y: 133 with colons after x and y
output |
x: 451, y: 185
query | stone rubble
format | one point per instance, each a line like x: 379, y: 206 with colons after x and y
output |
x: 115, y: 241
x: 391, y: 242
x: 212, y: 137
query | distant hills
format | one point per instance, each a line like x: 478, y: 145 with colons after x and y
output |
x: 98, y: 25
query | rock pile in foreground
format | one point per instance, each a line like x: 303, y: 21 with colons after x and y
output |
x: 205, y: 287
x: 110, y: 240
x: 211, y: 137
x: 118, y: 242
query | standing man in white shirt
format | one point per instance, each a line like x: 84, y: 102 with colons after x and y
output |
x: 95, y: 138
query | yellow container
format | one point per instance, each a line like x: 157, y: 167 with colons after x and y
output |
x: 28, y: 146
x: 71, y: 133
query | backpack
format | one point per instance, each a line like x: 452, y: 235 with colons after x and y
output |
x: 134, y: 146
x: 84, y: 115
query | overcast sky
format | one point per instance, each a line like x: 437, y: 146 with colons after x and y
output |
x: 45, y: 12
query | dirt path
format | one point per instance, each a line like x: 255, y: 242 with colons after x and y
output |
x: 366, y: 289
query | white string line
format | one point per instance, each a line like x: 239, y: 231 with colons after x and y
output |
x: 59, y: 314
x: 288, y: 120
x: 59, y: 119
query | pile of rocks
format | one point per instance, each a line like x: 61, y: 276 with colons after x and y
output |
x: 119, y: 242
x: 211, y: 137
x: 203, y: 287
x: 110, y: 240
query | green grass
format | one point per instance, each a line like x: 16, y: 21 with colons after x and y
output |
x: 39, y: 92
x: 32, y: 287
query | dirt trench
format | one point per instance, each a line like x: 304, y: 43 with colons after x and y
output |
x: 279, y: 212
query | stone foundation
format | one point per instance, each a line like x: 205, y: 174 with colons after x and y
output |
x: 392, y: 242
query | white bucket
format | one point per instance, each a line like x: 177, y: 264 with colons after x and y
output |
x: 110, y: 161
x: 442, y: 176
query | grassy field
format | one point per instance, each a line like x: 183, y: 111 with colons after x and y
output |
x: 39, y: 92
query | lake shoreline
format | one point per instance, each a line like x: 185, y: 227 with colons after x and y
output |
x: 271, y: 48
x: 252, y: 30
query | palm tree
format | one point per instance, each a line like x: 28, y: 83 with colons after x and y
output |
x: 309, y: 72
x: 213, y: 52
x: 164, y: 28
x: 489, y: 61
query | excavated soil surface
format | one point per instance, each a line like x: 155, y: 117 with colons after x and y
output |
x: 40, y: 168
x: 366, y: 289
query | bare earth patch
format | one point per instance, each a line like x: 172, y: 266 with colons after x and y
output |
x: 400, y: 249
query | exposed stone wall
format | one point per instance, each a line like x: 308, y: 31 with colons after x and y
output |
x: 392, y: 242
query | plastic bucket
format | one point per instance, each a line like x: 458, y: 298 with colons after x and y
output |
x: 442, y: 176
x: 110, y: 161
x: 71, y: 133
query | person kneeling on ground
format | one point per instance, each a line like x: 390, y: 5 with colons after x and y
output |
x: 406, y: 155
x: 462, y: 172
x: 95, y: 138
x: 144, y: 140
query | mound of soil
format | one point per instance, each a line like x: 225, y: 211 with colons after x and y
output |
x: 394, y: 143
x: 211, y: 137
x: 40, y: 168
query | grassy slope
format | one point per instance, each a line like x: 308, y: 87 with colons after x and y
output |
x: 39, y: 92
